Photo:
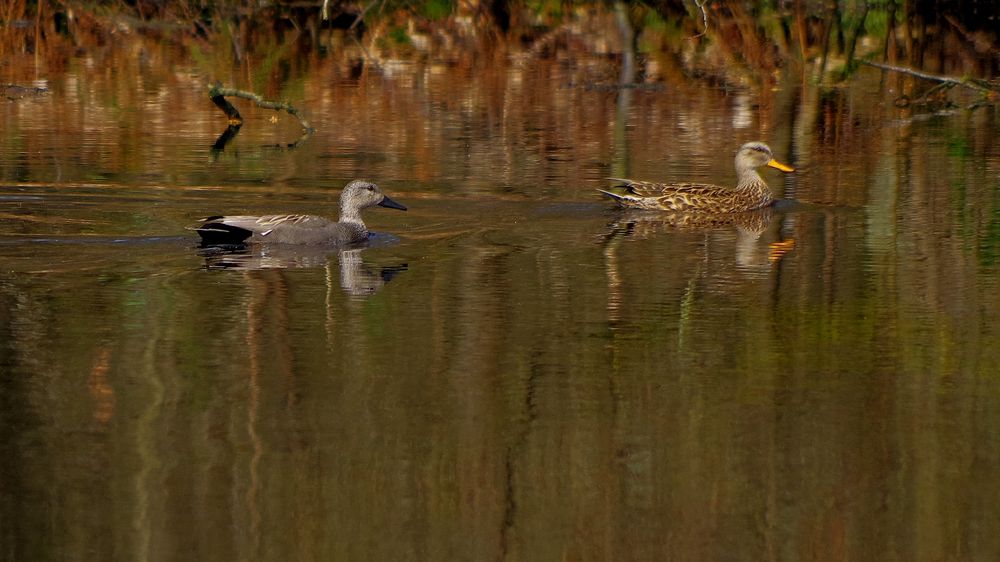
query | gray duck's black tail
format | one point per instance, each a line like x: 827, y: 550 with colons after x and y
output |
x: 217, y: 233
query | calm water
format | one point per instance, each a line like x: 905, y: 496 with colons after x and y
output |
x: 513, y: 369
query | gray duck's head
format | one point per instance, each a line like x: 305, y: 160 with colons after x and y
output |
x: 361, y: 194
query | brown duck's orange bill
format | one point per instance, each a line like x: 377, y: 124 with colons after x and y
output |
x: 780, y: 166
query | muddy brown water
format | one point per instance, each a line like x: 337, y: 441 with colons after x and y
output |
x: 513, y: 369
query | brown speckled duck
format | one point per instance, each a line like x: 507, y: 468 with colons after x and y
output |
x: 750, y: 193
x: 300, y: 229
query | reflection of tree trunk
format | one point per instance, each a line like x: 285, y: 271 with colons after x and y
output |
x: 611, y: 271
x: 147, y: 436
x: 838, y: 20
x: 628, y: 44
x: 620, y: 167
x: 265, y: 292
x: 801, y: 31
x: 254, y: 323
x: 101, y: 390
x: 916, y: 32
x: 38, y: 33
x: 854, y: 42
x: 482, y: 318
x: 827, y: 31
x: 804, y: 116
x: 889, y: 47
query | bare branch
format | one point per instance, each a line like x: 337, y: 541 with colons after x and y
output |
x: 968, y: 83
x: 357, y: 20
x: 218, y: 95
x: 704, y: 17
x: 361, y: 16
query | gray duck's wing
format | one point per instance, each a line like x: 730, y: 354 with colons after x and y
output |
x: 235, y: 229
x: 279, y: 229
x: 295, y: 229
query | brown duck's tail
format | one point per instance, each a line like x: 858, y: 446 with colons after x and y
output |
x: 625, y: 198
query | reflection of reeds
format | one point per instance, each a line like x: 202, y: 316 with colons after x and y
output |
x: 503, y: 110
x: 13, y: 24
x: 11, y: 13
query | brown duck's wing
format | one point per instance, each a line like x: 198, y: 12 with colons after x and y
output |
x: 678, y: 196
x: 654, y: 189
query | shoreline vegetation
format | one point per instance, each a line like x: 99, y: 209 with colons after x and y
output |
x: 729, y: 44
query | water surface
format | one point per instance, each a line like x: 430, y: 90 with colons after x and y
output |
x: 514, y: 369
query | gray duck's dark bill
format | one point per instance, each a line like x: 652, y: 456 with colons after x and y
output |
x: 386, y: 202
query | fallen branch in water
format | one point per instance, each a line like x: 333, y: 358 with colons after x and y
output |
x: 218, y: 95
x: 15, y: 92
x: 971, y: 83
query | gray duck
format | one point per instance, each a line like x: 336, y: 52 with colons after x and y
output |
x: 300, y: 229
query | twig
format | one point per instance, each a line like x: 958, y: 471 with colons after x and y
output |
x: 938, y: 78
x: 980, y: 41
x: 218, y: 95
x: 704, y: 17
x: 933, y: 90
x: 361, y: 16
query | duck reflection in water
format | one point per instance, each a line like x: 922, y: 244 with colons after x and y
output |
x: 750, y: 227
x: 356, y: 277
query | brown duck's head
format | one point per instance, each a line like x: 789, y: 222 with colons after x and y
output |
x: 756, y: 154
x: 361, y: 194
